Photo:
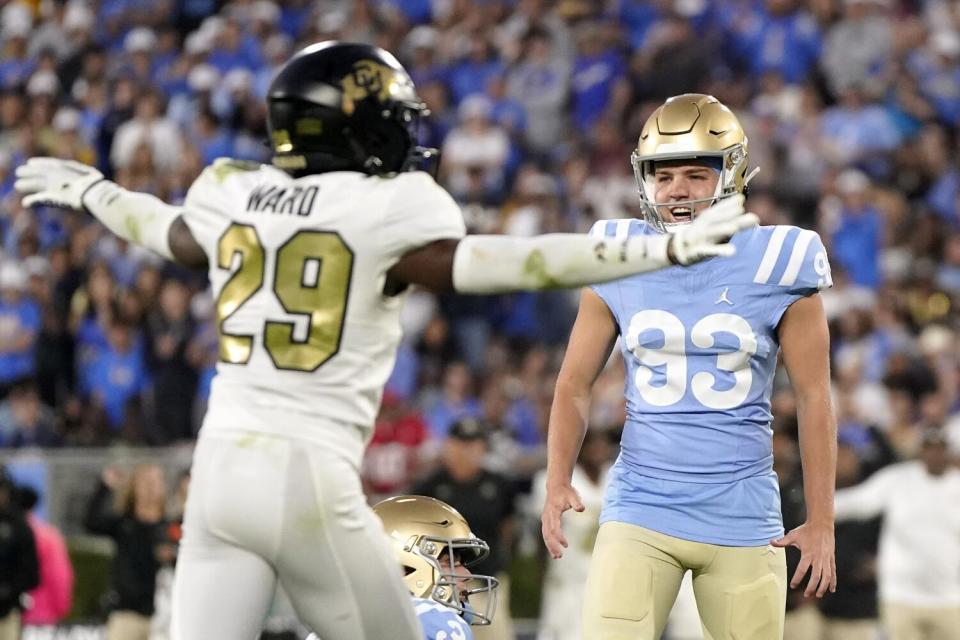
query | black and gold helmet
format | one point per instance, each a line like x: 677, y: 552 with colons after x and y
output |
x: 343, y: 106
x: 430, y: 538
x: 695, y: 126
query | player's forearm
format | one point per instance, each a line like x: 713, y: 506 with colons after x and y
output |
x: 139, y: 218
x: 492, y: 264
x: 568, y: 425
x: 818, y: 454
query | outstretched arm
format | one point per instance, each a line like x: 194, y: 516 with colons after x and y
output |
x: 139, y: 218
x: 494, y: 264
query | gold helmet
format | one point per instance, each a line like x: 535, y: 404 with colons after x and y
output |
x: 430, y: 538
x: 691, y: 125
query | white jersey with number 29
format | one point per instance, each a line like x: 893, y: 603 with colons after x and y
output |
x: 297, y: 271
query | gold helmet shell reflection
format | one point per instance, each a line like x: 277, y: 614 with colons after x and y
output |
x: 421, y: 529
x: 694, y: 126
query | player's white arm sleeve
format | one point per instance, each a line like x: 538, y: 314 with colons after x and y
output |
x: 490, y: 264
x: 139, y: 218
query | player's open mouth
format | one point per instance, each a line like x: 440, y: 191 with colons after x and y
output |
x: 681, y: 214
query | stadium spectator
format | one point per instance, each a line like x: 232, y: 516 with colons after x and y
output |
x: 918, y: 563
x: 131, y: 510
x: 19, y: 325
x: 50, y: 601
x: 25, y: 421
x: 851, y: 613
x: 563, y: 584
x: 19, y: 567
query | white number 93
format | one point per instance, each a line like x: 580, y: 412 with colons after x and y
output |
x: 673, y: 357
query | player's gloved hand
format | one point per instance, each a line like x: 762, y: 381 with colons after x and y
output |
x: 709, y: 233
x: 55, y: 182
x: 559, y: 499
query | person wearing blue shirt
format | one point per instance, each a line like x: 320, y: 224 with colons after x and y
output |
x: 19, y: 325
x: 598, y: 76
x: 693, y: 488
x: 117, y: 375
x: 858, y: 239
x: 773, y: 37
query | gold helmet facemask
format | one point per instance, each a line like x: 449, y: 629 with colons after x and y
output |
x: 690, y: 126
x: 430, y: 538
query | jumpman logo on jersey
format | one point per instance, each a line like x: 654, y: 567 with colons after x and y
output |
x: 723, y: 297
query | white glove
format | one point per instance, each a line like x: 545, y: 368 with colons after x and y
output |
x: 55, y: 182
x: 709, y: 233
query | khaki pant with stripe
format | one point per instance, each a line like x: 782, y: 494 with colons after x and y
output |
x: 635, y: 575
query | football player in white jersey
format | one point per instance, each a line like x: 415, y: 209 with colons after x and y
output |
x: 309, y: 258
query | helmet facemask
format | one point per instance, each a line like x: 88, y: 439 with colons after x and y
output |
x: 695, y: 127
x: 733, y: 163
x: 450, y: 587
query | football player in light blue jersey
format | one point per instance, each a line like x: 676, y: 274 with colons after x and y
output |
x: 693, y: 488
x: 436, y: 547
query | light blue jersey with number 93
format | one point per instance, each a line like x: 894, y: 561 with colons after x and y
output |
x: 700, y: 345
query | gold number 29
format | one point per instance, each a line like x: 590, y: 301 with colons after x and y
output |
x: 311, y: 278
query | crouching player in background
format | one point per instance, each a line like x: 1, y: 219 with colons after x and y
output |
x: 436, y: 547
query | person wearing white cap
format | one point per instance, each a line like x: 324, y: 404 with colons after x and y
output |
x: 17, y: 65
x: 151, y: 125
x: 69, y: 143
x: 476, y: 145
x: 856, y: 239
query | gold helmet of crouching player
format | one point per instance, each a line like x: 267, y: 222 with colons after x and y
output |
x: 421, y: 529
x: 691, y: 125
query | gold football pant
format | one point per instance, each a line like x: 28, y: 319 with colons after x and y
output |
x: 635, y: 574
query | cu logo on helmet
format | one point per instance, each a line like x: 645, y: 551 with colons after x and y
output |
x: 368, y: 78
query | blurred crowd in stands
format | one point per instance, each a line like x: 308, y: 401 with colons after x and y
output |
x: 852, y: 108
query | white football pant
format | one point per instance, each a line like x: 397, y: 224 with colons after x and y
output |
x: 262, y: 508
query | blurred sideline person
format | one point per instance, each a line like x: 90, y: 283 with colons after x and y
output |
x: 564, y: 579
x: 488, y: 499
x: 132, y: 511
x: 919, y: 555
x: 19, y: 566
x: 693, y: 488
x: 309, y: 259
x: 51, y: 600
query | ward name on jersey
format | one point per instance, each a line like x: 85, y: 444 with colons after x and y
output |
x: 700, y: 346
x: 305, y: 329
x: 272, y: 198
